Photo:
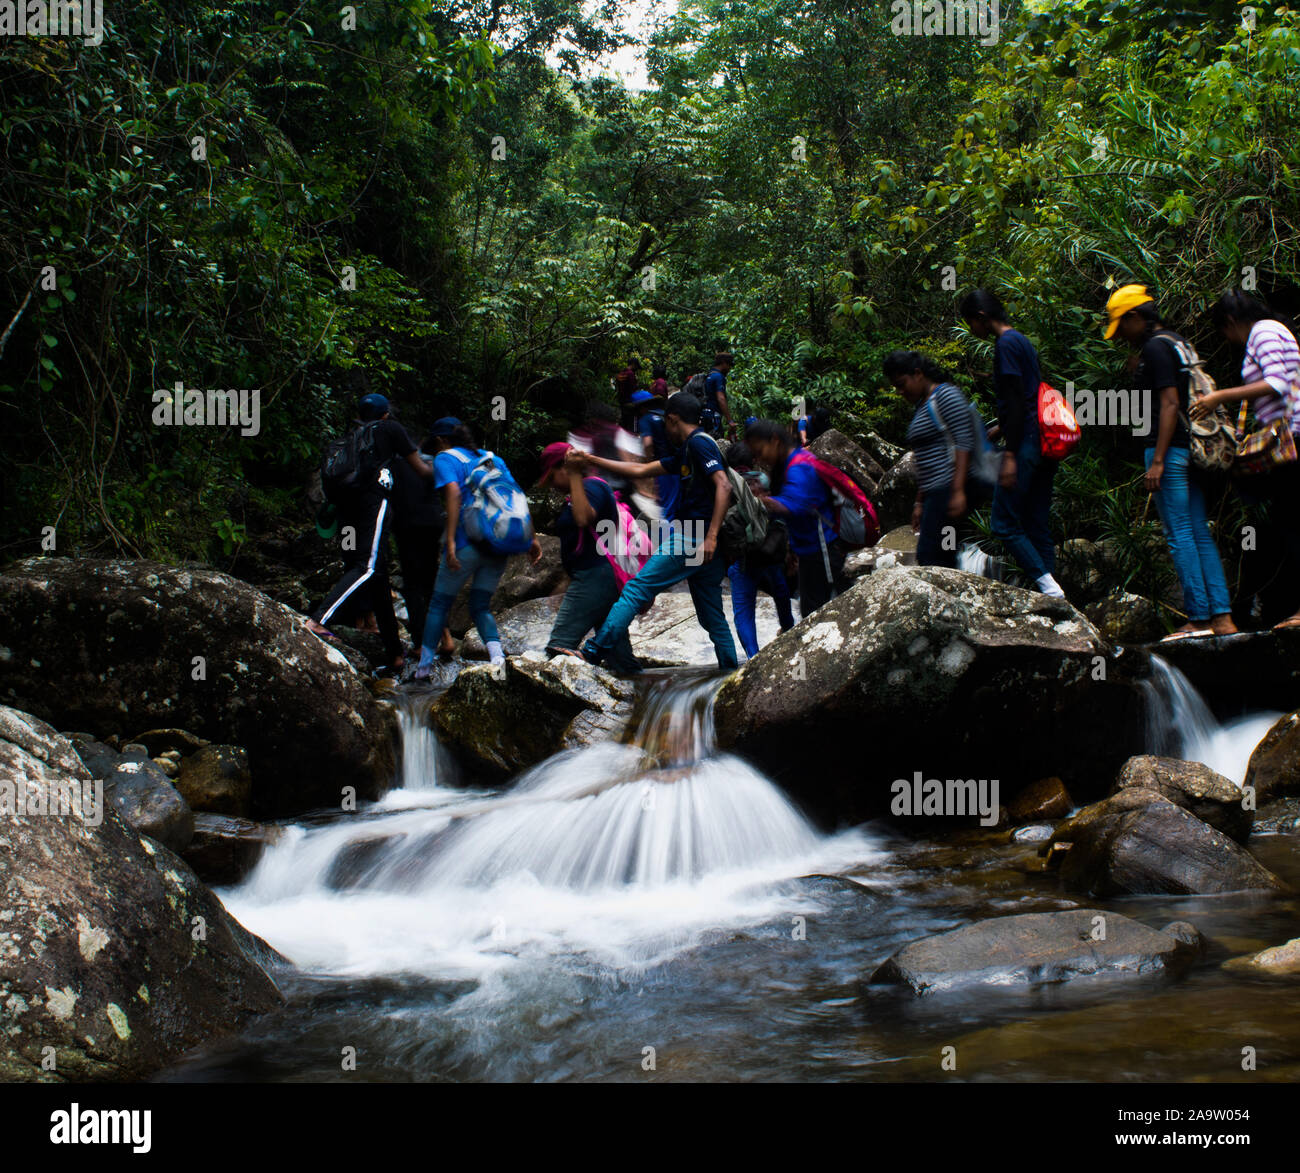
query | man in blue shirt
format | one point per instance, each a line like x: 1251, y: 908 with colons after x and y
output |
x: 717, y: 409
x: 800, y: 498
x: 1022, y: 499
x: 653, y: 431
x: 687, y: 549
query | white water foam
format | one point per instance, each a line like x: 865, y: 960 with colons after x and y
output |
x: 614, y: 855
x: 1180, y: 724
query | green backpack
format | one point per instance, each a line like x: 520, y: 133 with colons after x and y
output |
x: 748, y: 532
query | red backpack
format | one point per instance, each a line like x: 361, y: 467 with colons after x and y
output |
x: 856, y: 523
x: 1058, y: 430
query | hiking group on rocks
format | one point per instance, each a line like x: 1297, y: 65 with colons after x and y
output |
x: 652, y: 499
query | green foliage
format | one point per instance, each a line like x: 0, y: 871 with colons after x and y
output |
x: 438, y: 207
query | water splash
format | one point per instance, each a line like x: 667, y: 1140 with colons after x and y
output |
x: 1180, y: 724
x: 622, y: 854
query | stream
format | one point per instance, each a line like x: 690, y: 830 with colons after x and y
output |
x: 659, y: 910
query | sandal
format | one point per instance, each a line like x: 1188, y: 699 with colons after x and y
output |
x: 323, y: 633
x: 1181, y: 633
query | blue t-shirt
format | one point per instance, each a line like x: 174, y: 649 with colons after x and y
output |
x: 578, y: 549
x: 652, y: 424
x: 453, y: 466
x: 693, y: 466
x: 809, y: 502
x: 1014, y: 354
x: 715, y: 384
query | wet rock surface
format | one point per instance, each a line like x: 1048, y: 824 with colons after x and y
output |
x: 501, y: 721
x: 939, y: 671
x: 216, y: 779
x: 1277, y: 961
x: 1138, y: 842
x: 112, y: 953
x: 1045, y: 799
x: 1274, y: 769
x: 1240, y: 673
x: 1040, y: 947
x: 145, y: 797
x: 224, y: 849
x: 1196, y: 788
x: 108, y: 646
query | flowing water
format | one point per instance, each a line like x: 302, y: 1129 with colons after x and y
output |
x: 660, y: 910
x: 1180, y: 725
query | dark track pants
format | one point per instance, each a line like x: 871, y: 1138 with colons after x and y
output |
x: 364, y: 585
x: 418, y: 550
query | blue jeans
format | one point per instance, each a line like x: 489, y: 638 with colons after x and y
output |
x: 744, y: 601
x: 661, y: 571
x: 1022, y: 515
x: 1181, y: 505
x: 486, y: 571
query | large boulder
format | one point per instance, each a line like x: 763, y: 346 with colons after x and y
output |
x: 667, y: 636
x: 522, y: 581
x: 876, y: 446
x: 1137, y: 842
x: 937, y: 671
x: 1040, y: 947
x: 111, y: 646
x: 1274, y: 768
x: 837, y: 449
x: 1196, y: 788
x: 896, y: 494
x: 114, y: 959
x: 1126, y: 618
x: 499, y: 721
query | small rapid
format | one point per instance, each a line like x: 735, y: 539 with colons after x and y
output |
x: 1180, y: 724
x: 658, y: 895
x: 615, y: 855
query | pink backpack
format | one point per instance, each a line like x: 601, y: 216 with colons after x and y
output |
x: 631, y: 546
x: 856, y: 523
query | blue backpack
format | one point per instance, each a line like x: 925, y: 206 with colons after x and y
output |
x: 495, y: 513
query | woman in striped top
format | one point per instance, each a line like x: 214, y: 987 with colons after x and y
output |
x: 1270, y: 374
x: 942, y: 438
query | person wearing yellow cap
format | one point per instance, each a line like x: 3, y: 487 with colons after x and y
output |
x: 1163, y: 374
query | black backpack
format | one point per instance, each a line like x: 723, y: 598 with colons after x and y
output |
x: 350, y: 463
x: 696, y: 385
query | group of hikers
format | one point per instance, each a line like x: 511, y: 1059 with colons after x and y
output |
x: 651, y: 499
x: 957, y: 469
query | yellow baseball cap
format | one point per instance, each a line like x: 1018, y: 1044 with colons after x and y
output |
x: 1125, y: 298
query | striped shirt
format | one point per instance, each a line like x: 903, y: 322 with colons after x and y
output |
x: 932, y: 448
x: 1272, y: 355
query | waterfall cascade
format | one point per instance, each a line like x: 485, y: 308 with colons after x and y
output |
x: 618, y: 850
x: 1180, y: 724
